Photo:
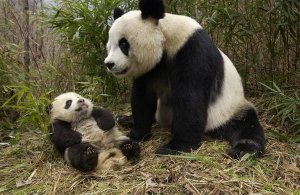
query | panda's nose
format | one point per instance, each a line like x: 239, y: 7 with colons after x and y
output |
x: 109, y: 65
x: 81, y: 101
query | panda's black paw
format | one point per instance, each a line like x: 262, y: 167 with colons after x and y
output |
x: 243, y: 147
x: 83, y: 157
x: 125, y: 121
x: 139, y: 136
x: 131, y: 150
x: 166, y: 150
x: 175, y: 148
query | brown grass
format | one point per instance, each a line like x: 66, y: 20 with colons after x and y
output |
x: 32, y: 166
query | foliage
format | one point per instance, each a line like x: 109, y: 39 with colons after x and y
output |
x: 10, y: 68
x: 284, y: 106
x: 84, y: 27
x: 262, y: 37
x: 30, y: 108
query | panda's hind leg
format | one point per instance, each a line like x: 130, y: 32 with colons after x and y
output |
x: 244, y: 133
x: 83, y: 156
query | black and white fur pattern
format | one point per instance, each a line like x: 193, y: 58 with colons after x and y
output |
x: 87, y: 136
x: 183, y: 80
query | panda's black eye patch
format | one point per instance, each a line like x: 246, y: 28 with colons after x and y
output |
x: 124, y: 46
x: 68, y: 104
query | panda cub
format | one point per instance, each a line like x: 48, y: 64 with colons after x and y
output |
x: 87, y: 136
x: 181, y: 79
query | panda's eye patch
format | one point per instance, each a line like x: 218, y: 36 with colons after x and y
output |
x: 68, y: 104
x: 124, y: 46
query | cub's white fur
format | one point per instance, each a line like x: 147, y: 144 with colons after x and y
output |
x: 79, y: 115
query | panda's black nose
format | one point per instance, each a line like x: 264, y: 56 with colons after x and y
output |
x: 109, y: 65
x: 81, y: 101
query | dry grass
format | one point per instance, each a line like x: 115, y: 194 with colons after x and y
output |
x: 32, y: 166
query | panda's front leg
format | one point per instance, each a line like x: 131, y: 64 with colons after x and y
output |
x: 189, y: 104
x: 143, y: 105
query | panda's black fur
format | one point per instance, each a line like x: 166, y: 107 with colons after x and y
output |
x: 178, y: 67
x: 86, y: 136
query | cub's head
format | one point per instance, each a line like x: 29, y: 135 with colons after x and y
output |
x: 70, y: 107
x: 135, y: 42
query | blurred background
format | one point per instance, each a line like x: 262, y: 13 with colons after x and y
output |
x: 52, y: 46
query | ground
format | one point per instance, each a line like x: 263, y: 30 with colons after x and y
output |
x: 33, y: 166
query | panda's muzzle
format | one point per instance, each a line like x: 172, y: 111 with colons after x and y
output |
x: 109, y: 65
x: 81, y: 104
x: 121, y: 72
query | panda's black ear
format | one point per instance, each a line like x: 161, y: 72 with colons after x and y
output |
x: 152, y: 8
x: 48, y: 108
x: 117, y: 13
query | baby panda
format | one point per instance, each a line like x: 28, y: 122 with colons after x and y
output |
x: 181, y: 79
x: 87, y: 136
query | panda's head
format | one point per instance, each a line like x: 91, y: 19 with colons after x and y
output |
x: 135, y: 42
x: 70, y: 107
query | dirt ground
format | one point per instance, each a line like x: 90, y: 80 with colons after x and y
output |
x: 32, y: 166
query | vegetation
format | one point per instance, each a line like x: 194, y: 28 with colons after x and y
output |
x: 52, y: 48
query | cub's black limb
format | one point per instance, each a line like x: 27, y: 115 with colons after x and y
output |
x: 83, y: 157
x: 62, y: 135
x: 125, y: 121
x: 131, y: 150
x: 105, y: 119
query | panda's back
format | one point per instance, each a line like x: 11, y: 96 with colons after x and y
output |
x: 231, y: 99
x: 228, y: 97
x: 177, y: 29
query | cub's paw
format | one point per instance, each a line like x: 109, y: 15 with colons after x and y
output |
x: 245, y: 146
x: 83, y: 157
x: 131, y: 150
x: 125, y: 121
x: 89, y: 153
x: 139, y: 136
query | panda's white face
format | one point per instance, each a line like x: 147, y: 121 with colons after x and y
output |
x: 135, y: 45
x: 70, y: 107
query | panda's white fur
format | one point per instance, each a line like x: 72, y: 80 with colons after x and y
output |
x: 148, y: 41
x: 70, y: 115
x: 79, y: 115
x: 141, y: 61
x: 231, y: 99
x: 160, y: 43
x: 170, y: 35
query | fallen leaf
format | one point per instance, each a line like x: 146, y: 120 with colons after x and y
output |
x: 29, y: 181
x: 292, y: 168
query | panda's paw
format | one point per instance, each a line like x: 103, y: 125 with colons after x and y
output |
x: 245, y: 146
x: 125, y: 121
x: 139, y: 136
x: 83, y: 157
x: 131, y: 150
x: 89, y: 153
x: 166, y: 150
x: 89, y: 158
x: 175, y: 147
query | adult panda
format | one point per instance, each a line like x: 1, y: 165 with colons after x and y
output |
x: 87, y: 136
x: 181, y: 78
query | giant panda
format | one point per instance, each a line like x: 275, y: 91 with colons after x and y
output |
x: 87, y: 136
x: 183, y: 80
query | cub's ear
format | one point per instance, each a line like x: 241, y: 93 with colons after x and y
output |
x: 152, y: 8
x: 117, y: 13
x: 48, y: 108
